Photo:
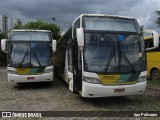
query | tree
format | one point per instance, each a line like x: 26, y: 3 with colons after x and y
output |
x: 42, y: 25
x: 158, y: 19
x: 3, y: 56
x: 3, y: 36
x: 16, y: 26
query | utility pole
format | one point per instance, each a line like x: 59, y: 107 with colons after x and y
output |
x: 56, y: 22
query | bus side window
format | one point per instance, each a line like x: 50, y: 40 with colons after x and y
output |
x: 146, y: 43
x: 76, y: 25
x: 149, y: 43
x: 70, y: 56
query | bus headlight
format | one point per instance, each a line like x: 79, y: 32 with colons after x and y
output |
x: 12, y: 72
x: 142, y: 78
x: 92, y: 80
x: 48, y: 70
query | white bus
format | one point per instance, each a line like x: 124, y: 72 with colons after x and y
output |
x: 30, y: 55
x: 103, y: 55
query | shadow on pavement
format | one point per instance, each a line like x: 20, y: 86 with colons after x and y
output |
x: 115, y: 101
x: 36, y: 85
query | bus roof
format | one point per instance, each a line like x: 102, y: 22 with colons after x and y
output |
x: 107, y: 15
x: 29, y: 30
x: 149, y: 37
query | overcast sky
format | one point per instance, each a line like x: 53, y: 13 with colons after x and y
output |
x: 65, y: 11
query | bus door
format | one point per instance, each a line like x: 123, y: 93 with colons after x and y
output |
x: 77, y: 66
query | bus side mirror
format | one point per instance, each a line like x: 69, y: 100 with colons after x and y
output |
x: 54, y: 45
x: 80, y: 37
x: 4, y: 45
x: 155, y: 38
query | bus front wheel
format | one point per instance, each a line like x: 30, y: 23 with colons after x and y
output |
x: 155, y: 75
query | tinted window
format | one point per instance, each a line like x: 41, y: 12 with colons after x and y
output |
x: 30, y: 36
x: 110, y: 24
x: 113, y: 53
x: 149, y: 44
x: 76, y: 25
x: 30, y: 54
x: 70, y: 57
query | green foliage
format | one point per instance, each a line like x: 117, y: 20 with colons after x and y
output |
x: 42, y: 25
x: 16, y: 26
x: 3, y: 36
x: 158, y: 19
x: 3, y: 56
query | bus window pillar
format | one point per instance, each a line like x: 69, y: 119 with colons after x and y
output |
x: 81, y: 49
x: 80, y: 41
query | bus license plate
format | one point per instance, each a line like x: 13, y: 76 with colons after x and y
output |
x: 30, y: 78
x: 119, y: 90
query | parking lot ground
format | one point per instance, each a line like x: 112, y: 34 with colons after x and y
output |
x: 57, y: 97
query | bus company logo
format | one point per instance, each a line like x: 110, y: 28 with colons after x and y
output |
x: 109, y: 77
x: 6, y: 114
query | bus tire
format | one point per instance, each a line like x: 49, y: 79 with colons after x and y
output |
x: 155, y: 74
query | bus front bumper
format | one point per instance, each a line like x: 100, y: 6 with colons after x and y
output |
x: 98, y: 90
x: 46, y: 77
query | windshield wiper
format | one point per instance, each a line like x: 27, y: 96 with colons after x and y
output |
x: 36, y: 58
x: 10, y: 58
x: 109, y: 61
x: 112, y: 54
x: 23, y: 59
x: 122, y: 55
x: 127, y: 61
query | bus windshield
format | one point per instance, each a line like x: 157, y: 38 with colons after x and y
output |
x: 30, y: 36
x: 29, y: 54
x: 114, y: 53
x: 110, y: 24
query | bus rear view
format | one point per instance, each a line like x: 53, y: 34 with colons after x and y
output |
x: 30, y: 56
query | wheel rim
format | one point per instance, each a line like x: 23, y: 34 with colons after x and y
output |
x: 155, y: 75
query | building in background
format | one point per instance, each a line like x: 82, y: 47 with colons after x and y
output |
x: 7, y: 24
x: 17, y: 22
x: 3, y: 23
